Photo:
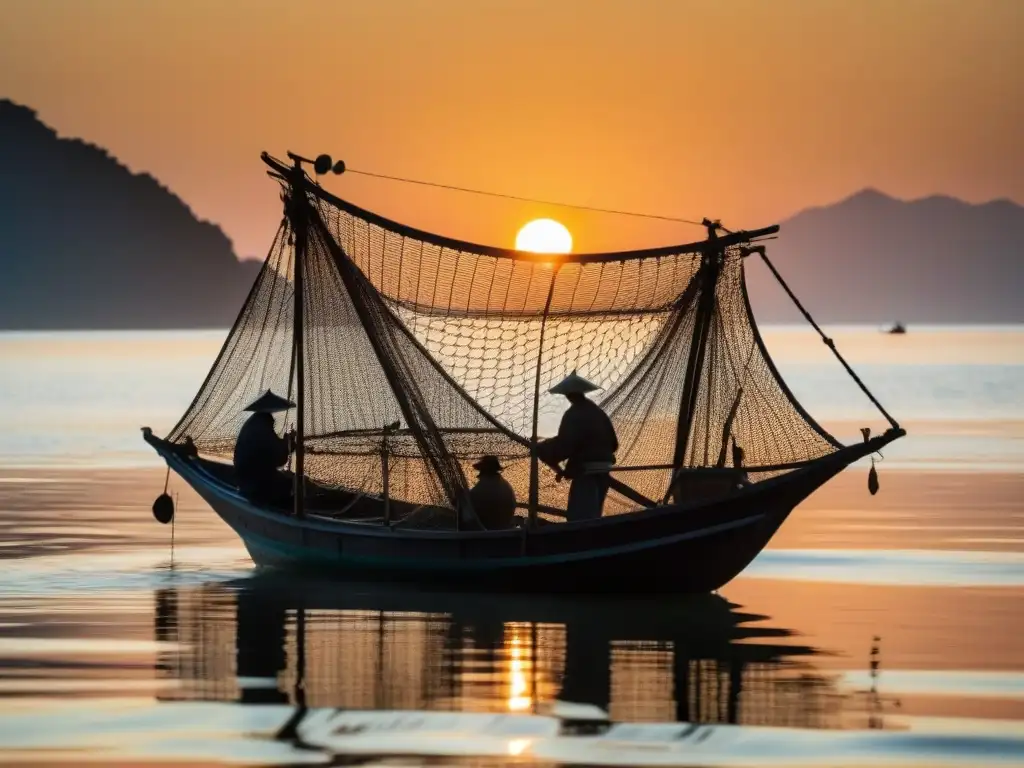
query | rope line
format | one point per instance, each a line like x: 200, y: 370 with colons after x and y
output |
x: 828, y: 342
x: 485, y: 193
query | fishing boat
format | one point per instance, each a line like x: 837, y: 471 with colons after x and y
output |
x: 897, y: 328
x: 409, y: 355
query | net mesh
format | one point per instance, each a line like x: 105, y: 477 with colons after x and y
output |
x: 447, y: 339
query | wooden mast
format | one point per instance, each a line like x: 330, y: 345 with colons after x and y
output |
x: 534, y: 500
x: 710, y: 266
x: 297, y: 216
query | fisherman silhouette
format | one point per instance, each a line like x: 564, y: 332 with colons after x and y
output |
x: 260, y: 454
x: 493, y: 498
x: 587, y: 442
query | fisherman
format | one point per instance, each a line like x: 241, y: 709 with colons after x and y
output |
x: 587, y: 442
x: 493, y: 499
x: 260, y: 454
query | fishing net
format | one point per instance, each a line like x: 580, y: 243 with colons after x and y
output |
x: 450, y: 340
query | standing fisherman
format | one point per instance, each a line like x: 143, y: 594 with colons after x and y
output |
x: 587, y: 442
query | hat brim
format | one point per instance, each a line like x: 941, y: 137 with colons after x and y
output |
x: 268, y: 402
x: 269, y: 408
x: 580, y: 387
x: 481, y: 466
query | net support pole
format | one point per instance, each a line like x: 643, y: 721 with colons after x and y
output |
x: 710, y: 266
x: 534, y: 501
x: 385, y: 471
x: 297, y: 215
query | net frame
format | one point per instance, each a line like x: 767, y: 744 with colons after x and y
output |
x: 396, y: 306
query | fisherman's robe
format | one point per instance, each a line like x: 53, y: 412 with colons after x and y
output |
x: 259, y: 454
x: 494, y: 501
x: 587, y: 442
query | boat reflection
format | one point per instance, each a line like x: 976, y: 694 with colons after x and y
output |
x: 270, y: 640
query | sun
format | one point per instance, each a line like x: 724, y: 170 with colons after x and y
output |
x: 544, y: 236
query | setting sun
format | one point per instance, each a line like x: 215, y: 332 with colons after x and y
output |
x: 544, y: 236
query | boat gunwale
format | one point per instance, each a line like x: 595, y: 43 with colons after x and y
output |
x: 334, y: 526
x: 185, y: 466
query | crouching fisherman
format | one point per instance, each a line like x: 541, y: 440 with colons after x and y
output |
x: 260, y: 454
x: 587, y: 442
x: 493, y: 498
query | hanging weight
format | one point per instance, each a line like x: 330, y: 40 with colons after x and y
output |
x: 163, y: 508
x: 873, y: 479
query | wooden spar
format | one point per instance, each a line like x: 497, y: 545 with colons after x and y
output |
x: 534, y: 459
x: 297, y: 214
x: 320, y: 193
x: 710, y: 266
x: 404, y: 395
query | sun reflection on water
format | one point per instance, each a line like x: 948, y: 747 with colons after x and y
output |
x: 520, y: 698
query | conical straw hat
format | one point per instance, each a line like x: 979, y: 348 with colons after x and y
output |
x: 573, y: 383
x: 268, y: 402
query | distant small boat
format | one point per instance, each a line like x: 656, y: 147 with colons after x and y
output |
x: 897, y: 328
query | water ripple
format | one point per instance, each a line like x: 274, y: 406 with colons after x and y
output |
x: 906, y: 567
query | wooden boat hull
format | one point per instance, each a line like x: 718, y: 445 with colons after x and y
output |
x: 691, y: 562
x: 700, y: 561
x: 690, y: 548
x: 681, y: 549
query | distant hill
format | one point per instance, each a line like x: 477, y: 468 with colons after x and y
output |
x: 872, y: 258
x: 85, y: 243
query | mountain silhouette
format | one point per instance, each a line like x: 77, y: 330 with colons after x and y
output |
x: 873, y: 258
x: 88, y: 244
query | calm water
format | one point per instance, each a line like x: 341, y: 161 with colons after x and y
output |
x: 80, y: 398
x: 118, y: 646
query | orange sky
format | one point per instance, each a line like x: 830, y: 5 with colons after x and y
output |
x: 744, y: 109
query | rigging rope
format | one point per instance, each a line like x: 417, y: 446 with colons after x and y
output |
x: 485, y: 193
x: 828, y: 341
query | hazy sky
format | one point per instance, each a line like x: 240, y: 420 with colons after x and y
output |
x: 744, y: 109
